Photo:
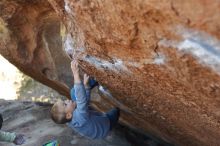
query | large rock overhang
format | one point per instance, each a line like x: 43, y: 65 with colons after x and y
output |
x: 159, y: 60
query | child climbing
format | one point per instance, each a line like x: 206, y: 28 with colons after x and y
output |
x: 76, y: 113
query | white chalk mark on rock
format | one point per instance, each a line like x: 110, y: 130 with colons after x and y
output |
x: 200, y: 44
x: 117, y: 65
x: 159, y: 59
x: 68, y: 44
x: 66, y: 6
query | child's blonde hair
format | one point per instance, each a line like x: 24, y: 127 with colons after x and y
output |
x: 58, y: 115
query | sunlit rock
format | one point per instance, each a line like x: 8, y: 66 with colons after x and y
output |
x: 159, y: 60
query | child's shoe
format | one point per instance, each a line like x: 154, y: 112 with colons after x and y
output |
x: 93, y: 83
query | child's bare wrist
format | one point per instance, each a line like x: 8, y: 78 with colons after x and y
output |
x: 77, y: 81
x: 76, y: 78
x: 75, y: 72
x: 76, y: 75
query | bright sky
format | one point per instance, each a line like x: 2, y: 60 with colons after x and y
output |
x: 9, y: 74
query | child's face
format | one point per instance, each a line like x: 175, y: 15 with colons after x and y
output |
x: 67, y: 105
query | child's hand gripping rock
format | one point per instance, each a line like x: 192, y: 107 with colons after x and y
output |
x: 75, y: 70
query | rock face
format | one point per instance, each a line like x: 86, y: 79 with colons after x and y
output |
x: 30, y: 39
x: 159, y: 60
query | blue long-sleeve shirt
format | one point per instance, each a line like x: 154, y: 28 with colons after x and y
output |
x: 87, y: 122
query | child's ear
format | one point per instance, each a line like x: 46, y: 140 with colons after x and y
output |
x: 68, y: 115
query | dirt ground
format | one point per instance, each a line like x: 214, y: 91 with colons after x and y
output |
x: 33, y: 120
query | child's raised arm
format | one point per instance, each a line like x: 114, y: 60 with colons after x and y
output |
x: 75, y: 70
x: 80, y: 92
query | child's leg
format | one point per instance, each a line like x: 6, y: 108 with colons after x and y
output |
x: 113, y: 116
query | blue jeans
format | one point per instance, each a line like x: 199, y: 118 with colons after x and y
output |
x: 113, y: 116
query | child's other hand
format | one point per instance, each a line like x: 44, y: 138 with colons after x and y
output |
x: 19, y: 139
x: 86, y: 80
x: 75, y: 67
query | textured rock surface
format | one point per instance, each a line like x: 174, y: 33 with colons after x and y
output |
x: 159, y: 60
x: 30, y: 39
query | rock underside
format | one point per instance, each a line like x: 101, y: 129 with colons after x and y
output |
x: 158, y: 60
